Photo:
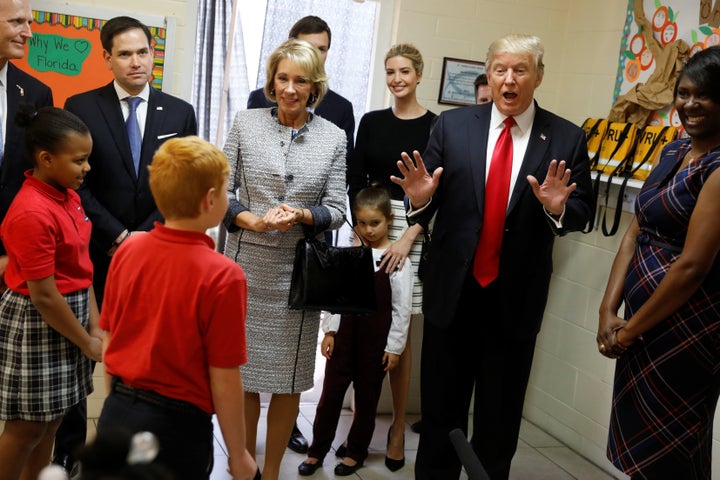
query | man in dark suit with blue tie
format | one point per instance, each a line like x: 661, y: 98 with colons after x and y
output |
x: 128, y: 121
x: 490, y: 260
x: 16, y: 87
x: 116, y: 194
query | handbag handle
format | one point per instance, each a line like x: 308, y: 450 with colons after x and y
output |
x: 354, y: 232
x: 309, y: 236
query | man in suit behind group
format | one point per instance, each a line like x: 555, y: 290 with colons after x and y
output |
x: 116, y: 193
x: 16, y: 87
x: 482, y: 317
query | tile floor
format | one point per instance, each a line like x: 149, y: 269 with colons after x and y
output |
x: 539, y: 456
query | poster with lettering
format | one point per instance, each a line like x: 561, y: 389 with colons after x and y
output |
x: 658, y: 35
x: 65, y: 52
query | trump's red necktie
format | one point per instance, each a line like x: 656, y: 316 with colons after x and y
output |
x: 497, y: 191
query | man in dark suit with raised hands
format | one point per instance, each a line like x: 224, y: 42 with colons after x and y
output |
x: 490, y: 260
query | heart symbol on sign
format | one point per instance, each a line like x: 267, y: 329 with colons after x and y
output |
x: 82, y: 45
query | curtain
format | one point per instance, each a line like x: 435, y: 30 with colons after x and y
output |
x: 349, y: 60
x: 215, y: 23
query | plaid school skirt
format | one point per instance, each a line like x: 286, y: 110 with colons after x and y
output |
x: 42, y: 373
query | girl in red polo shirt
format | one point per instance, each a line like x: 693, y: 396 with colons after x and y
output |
x: 49, y: 307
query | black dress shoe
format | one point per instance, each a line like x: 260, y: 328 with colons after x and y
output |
x: 341, y: 451
x: 342, y: 470
x: 306, y: 469
x: 417, y: 426
x: 297, y: 442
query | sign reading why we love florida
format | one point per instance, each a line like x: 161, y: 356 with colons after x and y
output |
x: 65, y: 52
x: 54, y: 53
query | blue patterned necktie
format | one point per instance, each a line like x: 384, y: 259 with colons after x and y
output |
x: 133, y: 131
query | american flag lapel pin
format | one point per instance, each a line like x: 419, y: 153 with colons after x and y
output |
x: 22, y: 90
x: 543, y: 137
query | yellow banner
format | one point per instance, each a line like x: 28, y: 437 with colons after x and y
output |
x: 616, y: 146
x: 651, y: 141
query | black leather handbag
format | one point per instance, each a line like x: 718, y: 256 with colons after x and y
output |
x: 334, y: 279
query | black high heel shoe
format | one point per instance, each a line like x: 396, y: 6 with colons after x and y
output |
x: 392, y: 464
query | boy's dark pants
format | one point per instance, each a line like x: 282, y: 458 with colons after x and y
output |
x: 185, y: 432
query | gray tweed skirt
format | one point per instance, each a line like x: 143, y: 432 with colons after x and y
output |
x: 281, y: 342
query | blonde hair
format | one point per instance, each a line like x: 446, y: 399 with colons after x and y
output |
x: 519, y: 45
x: 409, y: 51
x: 304, y: 55
x: 182, y: 172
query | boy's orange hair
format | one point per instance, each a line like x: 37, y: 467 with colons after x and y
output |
x: 182, y: 172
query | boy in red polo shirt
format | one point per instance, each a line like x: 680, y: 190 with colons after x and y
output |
x: 174, y: 316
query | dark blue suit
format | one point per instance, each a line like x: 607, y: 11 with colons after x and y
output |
x: 484, y: 338
x: 333, y: 107
x: 21, y: 88
x: 113, y: 196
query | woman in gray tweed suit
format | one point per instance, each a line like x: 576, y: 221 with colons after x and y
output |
x: 287, y: 175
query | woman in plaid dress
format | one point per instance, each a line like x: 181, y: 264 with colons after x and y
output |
x: 49, y: 307
x: 667, y: 272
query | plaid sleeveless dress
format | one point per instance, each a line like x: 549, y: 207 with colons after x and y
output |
x: 666, y: 385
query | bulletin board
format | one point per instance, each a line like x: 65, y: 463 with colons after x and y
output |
x: 681, y: 27
x: 65, y: 51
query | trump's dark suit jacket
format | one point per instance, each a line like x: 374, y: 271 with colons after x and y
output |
x: 458, y: 143
x: 333, y: 107
x: 21, y: 88
x: 113, y: 196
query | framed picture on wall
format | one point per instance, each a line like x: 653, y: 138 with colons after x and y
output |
x: 457, y: 81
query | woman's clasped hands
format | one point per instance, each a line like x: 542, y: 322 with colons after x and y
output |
x: 282, y: 218
x: 612, y: 339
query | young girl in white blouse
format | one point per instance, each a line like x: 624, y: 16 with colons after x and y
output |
x: 361, y: 348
